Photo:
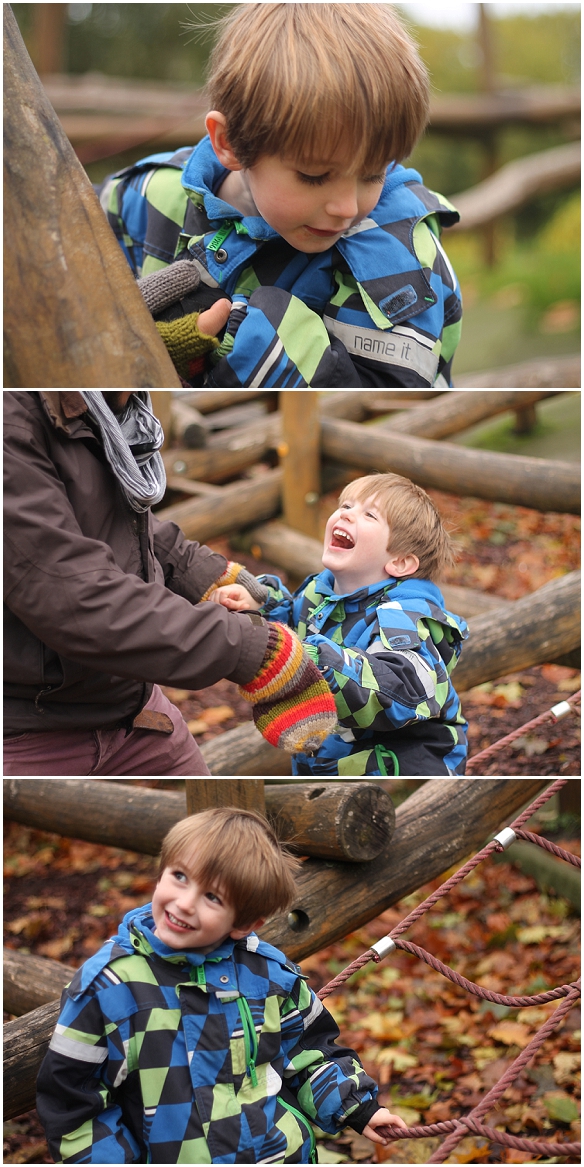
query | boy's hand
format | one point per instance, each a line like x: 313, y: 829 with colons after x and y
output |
x: 382, y: 1118
x: 214, y: 318
x: 235, y: 597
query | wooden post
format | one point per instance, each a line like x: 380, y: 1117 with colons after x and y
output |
x: 161, y: 405
x: 73, y: 316
x: 300, y: 453
x: 48, y: 38
x: 204, y: 793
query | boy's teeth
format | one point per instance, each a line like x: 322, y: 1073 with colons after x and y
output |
x: 340, y: 534
x: 174, y: 920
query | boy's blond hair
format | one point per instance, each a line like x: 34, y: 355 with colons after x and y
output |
x: 415, y: 526
x: 237, y: 852
x: 305, y: 80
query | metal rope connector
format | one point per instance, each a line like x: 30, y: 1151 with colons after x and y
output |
x: 505, y: 837
x: 383, y: 947
x: 562, y: 709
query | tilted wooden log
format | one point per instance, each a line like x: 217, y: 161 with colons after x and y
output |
x: 209, y: 400
x: 73, y: 316
x: 545, y: 373
x: 456, y: 411
x: 231, y: 509
x: 517, y: 183
x: 441, y: 823
x: 531, y: 631
x: 530, y: 482
x: 345, y: 821
x: 32, y: 981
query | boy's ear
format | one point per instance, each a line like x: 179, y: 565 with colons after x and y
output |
x: 400, y: 566
x: 217, y: 131
x: 239, y: 933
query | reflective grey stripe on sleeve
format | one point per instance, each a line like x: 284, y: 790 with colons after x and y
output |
x: 423, y: 670
x: 398, y: 347
x: 76, y: 1049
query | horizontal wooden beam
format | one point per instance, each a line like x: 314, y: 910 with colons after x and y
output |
x: 348, y: 821
x: 228, y: 510
x: 441, y: 823
x: 545, y: 373
x: 31, y: 981
x: 542, y: 484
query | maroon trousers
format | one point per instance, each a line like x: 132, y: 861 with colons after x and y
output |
x: 77, y: 752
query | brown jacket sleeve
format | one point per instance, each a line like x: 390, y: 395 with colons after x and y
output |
x: 69, y: 589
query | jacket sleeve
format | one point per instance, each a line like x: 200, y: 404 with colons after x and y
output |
x: 70, y: 592
x: 328, y: 1080
x: 383, y: 688
x: 279, y: 603
x: 76, y: 1100
x: 189, y: 567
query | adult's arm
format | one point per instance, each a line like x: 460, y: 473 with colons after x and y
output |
x: 70, y: 592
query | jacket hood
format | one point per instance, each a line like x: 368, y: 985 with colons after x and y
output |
x: 136, y: 934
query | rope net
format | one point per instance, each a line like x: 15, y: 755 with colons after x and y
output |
x: 554, y: 715
x: 456, y: 1129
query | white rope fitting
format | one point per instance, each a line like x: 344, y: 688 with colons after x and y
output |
x: 384, y: 946
x: 505, y: 837
x: 562, y: 709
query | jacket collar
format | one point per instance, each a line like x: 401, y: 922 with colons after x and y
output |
x: 62, y: 408
x: 375, y: 250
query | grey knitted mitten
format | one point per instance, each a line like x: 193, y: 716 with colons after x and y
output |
x: 171, y: 283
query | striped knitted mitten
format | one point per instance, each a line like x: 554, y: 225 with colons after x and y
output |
x: 237, y: 573
x: 294, y: 708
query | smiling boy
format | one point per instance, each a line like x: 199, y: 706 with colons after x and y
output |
x: 375, y: 624
x: 186, y: 1038
x: 311, y: 240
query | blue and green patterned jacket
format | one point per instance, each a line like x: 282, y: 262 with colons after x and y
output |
x: 387, y: 652
x: 381, y: 308
x: 162, y: 1056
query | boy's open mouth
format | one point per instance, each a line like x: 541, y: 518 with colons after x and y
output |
x: 177, y: 923
x: 342, y: 539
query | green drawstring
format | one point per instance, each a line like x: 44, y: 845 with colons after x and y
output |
x: 381, y: 763
x: 249, y: 1038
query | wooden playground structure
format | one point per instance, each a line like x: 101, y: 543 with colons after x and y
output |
x: 362, y: 858
x: 336, y: 894
x: 320, y: 441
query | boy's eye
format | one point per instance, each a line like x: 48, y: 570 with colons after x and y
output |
x: 210, y: 895
x: 370, y: 515
x: 313, y: 179
x: 179, y: 874
x: 380, y: 178
x: 345, y: 506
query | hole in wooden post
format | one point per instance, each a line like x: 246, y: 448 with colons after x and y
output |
x: 317, y: 792
x: 298, y: 920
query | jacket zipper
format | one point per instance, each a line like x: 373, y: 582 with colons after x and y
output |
x: 301, y: 1118
x: 250, y: 1039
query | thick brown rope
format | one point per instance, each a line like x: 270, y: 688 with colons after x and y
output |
x: 545, y: 843
x: 548, y: 715
x: 456, y: 1129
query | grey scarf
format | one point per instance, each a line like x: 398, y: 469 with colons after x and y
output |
x: 131, y: 441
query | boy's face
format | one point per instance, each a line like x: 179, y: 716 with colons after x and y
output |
x: 188, y: 914
x: 311, y: 206
x: 355, y: 544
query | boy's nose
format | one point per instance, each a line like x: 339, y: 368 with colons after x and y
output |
x: 342, y: 203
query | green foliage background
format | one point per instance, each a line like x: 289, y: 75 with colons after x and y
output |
x: 538, y: 249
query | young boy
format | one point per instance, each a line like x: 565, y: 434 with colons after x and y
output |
x: 375, y: 624
x: 186, y: 1038
x: 321, y: 252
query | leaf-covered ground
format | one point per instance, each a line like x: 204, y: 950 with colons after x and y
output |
x: 504, y: 551
x: 434, y: 1049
